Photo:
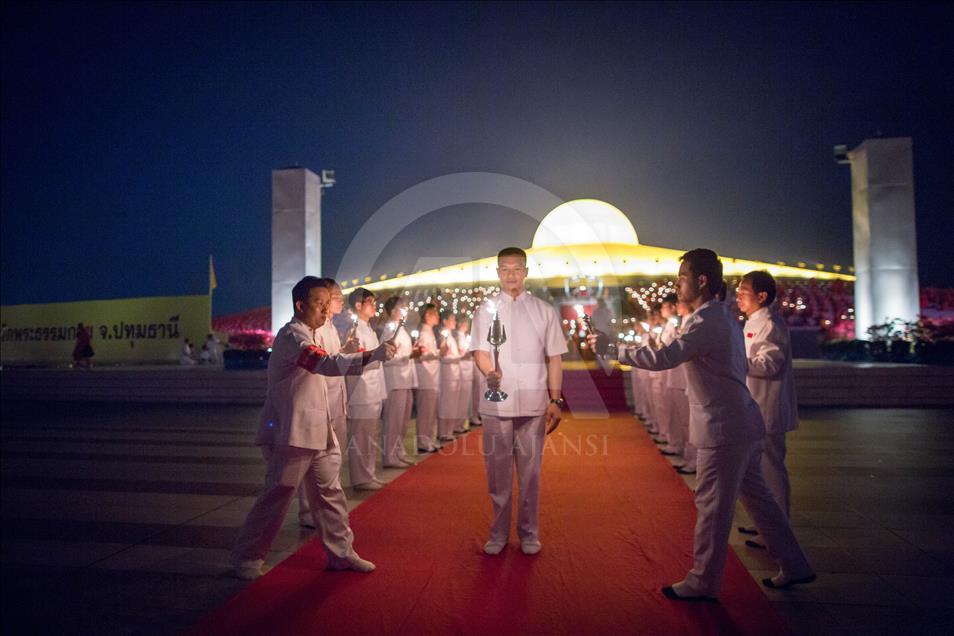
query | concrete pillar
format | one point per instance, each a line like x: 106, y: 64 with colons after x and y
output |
x: 296, y: 236
x: 886, y: 264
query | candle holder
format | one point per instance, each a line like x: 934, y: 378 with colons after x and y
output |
x: 605, y: 348
x: 496, y: 336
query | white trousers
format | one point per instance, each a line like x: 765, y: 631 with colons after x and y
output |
x: 397, y: 416
x: 426, y: 418
x: 677, y: 412
x: 288, y: 467
x: 476, y: 395
x: 727, y: 473
x: 773, y: 469
x: 339, y: 424
x: 507, y: 442
x: 363, y: 445
x: 447, y: 410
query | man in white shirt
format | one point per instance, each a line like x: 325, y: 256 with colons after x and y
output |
x: 726, y: 427
x: 296, y: 425
x: 531, y: 374
x: 462, y: 334
x: 768, y: 349
x: 366, y: 395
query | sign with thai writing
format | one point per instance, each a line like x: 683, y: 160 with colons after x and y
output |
x: 126, y: 330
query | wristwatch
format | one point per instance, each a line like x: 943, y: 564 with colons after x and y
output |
x: 559, y: 402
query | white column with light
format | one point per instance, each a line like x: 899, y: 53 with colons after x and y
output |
x: 885, y: 241
x: 296, y: 236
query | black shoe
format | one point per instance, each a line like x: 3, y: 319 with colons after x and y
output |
x: 670, y: 593
x: 682, y: 471
x: 656, y: 440
x: 750, y: 531
x: 427, y: 450
x: 669, y: 453
x: 755, y: 544
x: 801, y: 581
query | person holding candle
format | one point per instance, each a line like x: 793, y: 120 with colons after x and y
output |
x: 366, y: 395
x: 727, y: 429
x: 329, y: 340
x: 400, y: 377
x: 462, y: 335
x: 447, y: 401
x: 428, y: 380
x: 768, y: 348
x: 530, y: 373
x: 301, y: 444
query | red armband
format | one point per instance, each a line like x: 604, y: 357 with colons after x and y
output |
x: 310, y: 357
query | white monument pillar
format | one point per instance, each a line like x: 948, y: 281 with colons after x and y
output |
x: 886, y: 263
x: 296, y: 236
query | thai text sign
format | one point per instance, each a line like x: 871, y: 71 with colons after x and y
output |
x: 124, y: 330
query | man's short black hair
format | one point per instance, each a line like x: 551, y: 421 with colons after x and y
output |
x: 512, y: 251
x: 703, y: 262
x: 672, y: 299
x: 762, y: 281
x: 426, y: 308
x: 359, y: 295
x: 303, y: 288
x: 447, y: 313
x: 328, y: 283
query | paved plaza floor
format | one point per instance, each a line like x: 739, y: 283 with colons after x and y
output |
x: 118, y: 518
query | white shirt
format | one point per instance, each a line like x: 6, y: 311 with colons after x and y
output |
x: 428, y: 366
x: 369, y: 387
x: 721, y: 410
x: 399, y: 371
x: 533, y: 334
x: 450, y: 360
x: 771, y: 381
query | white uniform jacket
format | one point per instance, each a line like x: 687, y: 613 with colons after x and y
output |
x: 721, y: 410
x: 533, y: 334
x: 296, y: 411
x: 369, y: 387
x: 399, y: 372
x: 768, y: 348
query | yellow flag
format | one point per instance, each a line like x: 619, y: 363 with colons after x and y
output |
x: 212, y: 284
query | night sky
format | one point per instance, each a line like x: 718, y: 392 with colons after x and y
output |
x: 137, y: 139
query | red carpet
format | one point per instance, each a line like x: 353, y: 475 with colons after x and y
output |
x: 616, y: 525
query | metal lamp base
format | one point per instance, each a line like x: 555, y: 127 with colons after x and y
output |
x: 495, y: 396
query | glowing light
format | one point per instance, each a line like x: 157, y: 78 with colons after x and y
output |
x: 584, y: 221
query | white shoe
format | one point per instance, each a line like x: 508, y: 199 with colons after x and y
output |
x: 371, y: 485
x: 353, y: 562
x: 247, y: 570
x: 530, y: 546
x: 494, y: 547
x: 409, y: 462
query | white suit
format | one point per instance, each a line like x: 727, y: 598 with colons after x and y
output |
x: 514, y: 430
x: 295, y: 424
x: 400, y: 377
x: 366, y: 394
x: 771, y: 381
x: 449, y: 397
x: 428, y: 368
x: 465, y: 397
x: 726, y: 427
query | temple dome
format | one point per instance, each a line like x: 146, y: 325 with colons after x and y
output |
x: 582, y: 222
